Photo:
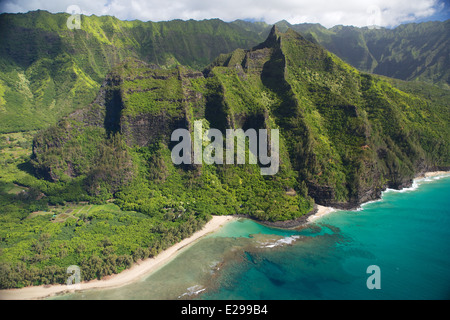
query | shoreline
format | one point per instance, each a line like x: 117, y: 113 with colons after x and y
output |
x: 138, y: 271
x: 146, y: 267
x: 322, y: 210
x: 317, y: 212
x: 432, y: 174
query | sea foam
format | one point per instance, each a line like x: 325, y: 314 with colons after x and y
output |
x: 192, y: 291
x: 280, y: 242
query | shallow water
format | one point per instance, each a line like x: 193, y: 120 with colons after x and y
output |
x: 406, y: 234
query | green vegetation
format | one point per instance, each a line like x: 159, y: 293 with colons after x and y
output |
x: 98, y: 189
x: 42, y: 234
x: 348, y: 134
x: 101, y: 239
x: 47, y: 71
x: 414, y: 52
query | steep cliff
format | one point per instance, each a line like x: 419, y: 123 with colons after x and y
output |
x: 344, y: 135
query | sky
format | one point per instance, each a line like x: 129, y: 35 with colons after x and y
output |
x: 385, y: 13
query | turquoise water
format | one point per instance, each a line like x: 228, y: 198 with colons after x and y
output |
x: 406, y: 234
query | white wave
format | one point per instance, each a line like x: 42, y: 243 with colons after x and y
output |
x: 280, y: 242
x: 193, y: 291
x: 361, y: 208
x: 214, y: 266
x: 417, y: 182
x: 415, y: 185
x: 433, y: 178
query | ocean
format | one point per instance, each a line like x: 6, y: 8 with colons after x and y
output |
x: 395, y: 248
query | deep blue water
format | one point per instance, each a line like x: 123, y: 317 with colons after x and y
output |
x: 406, y: 234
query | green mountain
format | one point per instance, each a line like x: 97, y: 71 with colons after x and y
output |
x: 346, y: 135
x: 414, y: 52
x: 120, y: 146
x: 47, y: 70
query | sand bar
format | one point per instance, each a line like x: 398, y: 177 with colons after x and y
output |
x: 136, y: 272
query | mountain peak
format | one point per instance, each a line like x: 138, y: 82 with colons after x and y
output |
x: 283, y: 25
x: 274, y: 33
x: 273, y: 39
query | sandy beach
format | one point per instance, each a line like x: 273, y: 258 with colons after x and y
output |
x: 144, y: 268
x: 434, y: 174
x: 321, y: 211
x: 136, y: 272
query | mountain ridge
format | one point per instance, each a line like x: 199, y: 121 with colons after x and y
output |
x: 345, y: 136
x: 402, y: 52
x: 326, y: 110
x: 44, y: 64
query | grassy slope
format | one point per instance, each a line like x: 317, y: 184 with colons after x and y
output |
x: 415, y: 52
x: 349, y: 134
x: 353, y: 118
x: 48, y: 71
x: 39, y: 240
x: 340, y: 129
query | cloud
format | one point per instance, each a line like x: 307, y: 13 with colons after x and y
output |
x: 386, y: 13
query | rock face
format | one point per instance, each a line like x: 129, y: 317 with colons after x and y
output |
x: 345, y: 135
